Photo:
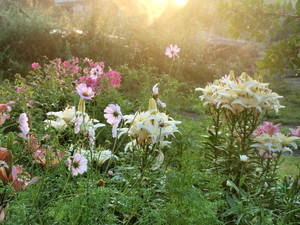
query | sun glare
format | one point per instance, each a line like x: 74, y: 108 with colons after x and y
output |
x: 150, y: 9
x: 180, y: 2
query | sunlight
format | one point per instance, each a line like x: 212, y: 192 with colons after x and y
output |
x: 180, y: 2
x: 155, y: 7
x: 150, y: 9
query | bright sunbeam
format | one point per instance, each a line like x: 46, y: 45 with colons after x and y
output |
x: 180, y: 2
x: 150, y: 9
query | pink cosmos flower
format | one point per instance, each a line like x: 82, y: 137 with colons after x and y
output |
x: 92, y: 136
x: 172, y: 51
x: 91, y: 81
x: 156, y: 94
x: 267, y: 128
x: 259, y: 131
x: 58, y: 61
x: 75, y: 69
x: 76, y: 60
x: 87, y: 60
x: 82, y: 79
x: 19, y: 90
x: 78, y: 164
x: 96, y: 71
x: 35, y: 65
x: 31, y: 102
x: 86, y: 70
x: 24, y: 127
x: 114, y: 78
x: 84, y: 91
x: 296, y: 132
x: 101, y: 64
x: 113, y: 116
x: 271, y: 129
x: 78, y: 122
x: 67, y: 64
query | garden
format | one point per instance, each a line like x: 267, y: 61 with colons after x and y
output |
x: 150, y: 112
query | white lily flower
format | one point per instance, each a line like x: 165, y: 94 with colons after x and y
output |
x: 57, y: 124
x: 243, y: 158
x: 237, y: 94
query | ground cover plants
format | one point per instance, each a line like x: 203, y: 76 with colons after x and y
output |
x: 71, y: 136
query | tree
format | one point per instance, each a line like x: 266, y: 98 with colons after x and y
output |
x: 276, y: 23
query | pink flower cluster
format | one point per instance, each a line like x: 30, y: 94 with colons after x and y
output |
x: 88, y: 76
x: 66, y: 68
x: 4, y: 111
x: 267, y: 128
x: 97, y: 79
x: 114, y: 78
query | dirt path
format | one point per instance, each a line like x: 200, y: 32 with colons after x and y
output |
x: 293, y: 82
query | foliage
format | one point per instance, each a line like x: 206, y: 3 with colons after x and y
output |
x: 119, y: 39
x: 276, y: 23
x: 289, y: 89
x: 121, y: 196
x: 26, y: 38
x: 214, y: 171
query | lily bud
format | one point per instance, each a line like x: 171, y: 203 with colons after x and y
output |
x: 3, y: 152
x: 152, y: 105
x: 3, y: 175
x: 81, y: 105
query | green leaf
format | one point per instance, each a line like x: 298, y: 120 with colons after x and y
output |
x: 239, y: 219
x: 10, y: 140
x: 242, y: 180
x: 298, y: 7
x: 230, y: 201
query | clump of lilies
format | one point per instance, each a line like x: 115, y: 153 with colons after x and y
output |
x: 236, y: 105
x: 149, y: 131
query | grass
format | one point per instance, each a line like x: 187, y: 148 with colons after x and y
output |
x: 290, y: 115
x: 290, y: 166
